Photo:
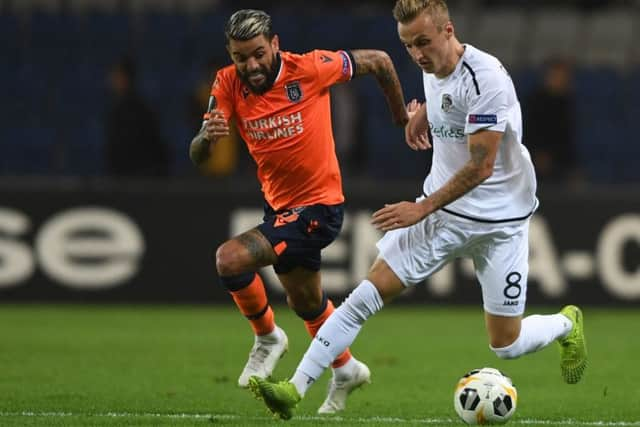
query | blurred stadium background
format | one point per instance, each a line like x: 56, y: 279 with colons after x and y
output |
x: 56, y: 55
x: 73, y: 231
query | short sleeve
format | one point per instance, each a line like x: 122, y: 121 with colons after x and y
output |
x: 332, y: 67
x: 220, y: 96
x: 487, y: 101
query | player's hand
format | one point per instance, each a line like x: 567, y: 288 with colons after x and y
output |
x: 397, y: 215
x: 415, y: 132
x: 413, y: 107
x: 216, y: 126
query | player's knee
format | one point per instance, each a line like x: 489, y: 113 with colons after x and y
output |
x: 228, y: 263
x: 507, y: 347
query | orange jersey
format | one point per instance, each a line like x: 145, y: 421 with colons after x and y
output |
x: 288, y: 128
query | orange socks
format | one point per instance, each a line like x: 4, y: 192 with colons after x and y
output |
x: 252, y: 302
x: 314, y: 325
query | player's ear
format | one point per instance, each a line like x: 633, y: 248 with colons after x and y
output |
x: 448, y: 30
x: 275, y: 43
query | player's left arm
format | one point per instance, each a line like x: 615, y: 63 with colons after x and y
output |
x: 483, y: 149
x: 379, y: 64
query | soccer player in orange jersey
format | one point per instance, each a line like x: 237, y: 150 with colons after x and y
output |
x: 280, y: 102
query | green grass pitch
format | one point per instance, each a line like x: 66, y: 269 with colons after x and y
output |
x: 178, y: 366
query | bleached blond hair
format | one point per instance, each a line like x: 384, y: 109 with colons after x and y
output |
x: 246, y: 24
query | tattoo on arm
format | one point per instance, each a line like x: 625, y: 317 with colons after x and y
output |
x: 199, y: 148
x: 466, y: 179
x: 379, y: 63
x: 259, y: 247
x: 479, y: 155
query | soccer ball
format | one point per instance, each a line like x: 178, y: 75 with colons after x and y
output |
x: 485, y: 396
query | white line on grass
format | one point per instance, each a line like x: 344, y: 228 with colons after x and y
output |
x: 360, y: 420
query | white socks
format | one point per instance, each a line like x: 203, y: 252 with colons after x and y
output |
x: 341, y: 328
x: 302, y: 381
x: 537, y: 332
x: 336, y: 334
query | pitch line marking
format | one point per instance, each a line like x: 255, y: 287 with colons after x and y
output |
x: 311, y: 418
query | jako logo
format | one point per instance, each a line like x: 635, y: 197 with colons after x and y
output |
x: 86, y: 248
x: 323, y: 341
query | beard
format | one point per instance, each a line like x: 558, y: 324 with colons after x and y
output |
x: 269, y: 74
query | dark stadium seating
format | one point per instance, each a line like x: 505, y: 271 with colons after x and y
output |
x: 54, y: 91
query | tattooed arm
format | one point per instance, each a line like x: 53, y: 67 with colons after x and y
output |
x: 379, y: 64
x: 199, y: 148
x: 483, y: 147
x: 214, y: 128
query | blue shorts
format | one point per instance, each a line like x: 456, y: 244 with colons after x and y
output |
x: 299, y: 234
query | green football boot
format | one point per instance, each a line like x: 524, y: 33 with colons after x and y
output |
x: 573, y: 347
x: 280, y: 397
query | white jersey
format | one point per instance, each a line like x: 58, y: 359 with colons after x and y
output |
x: 479, y: 94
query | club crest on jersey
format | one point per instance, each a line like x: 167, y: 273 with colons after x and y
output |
x: 447, y: 103
x: 294, y: 93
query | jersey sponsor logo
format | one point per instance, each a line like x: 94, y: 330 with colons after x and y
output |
x: 273, y: 127
x: 483, y: 119
x: 294, y: 92
x: 444, y: 131
x: 325, y: 59
x: 447, y: 102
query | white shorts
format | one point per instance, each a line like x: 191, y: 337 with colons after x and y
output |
x: 499, y: 252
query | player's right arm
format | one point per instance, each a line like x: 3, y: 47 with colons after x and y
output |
x: 215, y: 126
x: 215, y: 123
x: 483, y: 150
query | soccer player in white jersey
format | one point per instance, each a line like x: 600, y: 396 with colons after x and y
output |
x: 477, y: 202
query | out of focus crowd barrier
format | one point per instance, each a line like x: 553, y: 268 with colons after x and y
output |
x: 149, y: 242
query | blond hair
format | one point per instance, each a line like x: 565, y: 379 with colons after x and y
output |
x: 407, y: 10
